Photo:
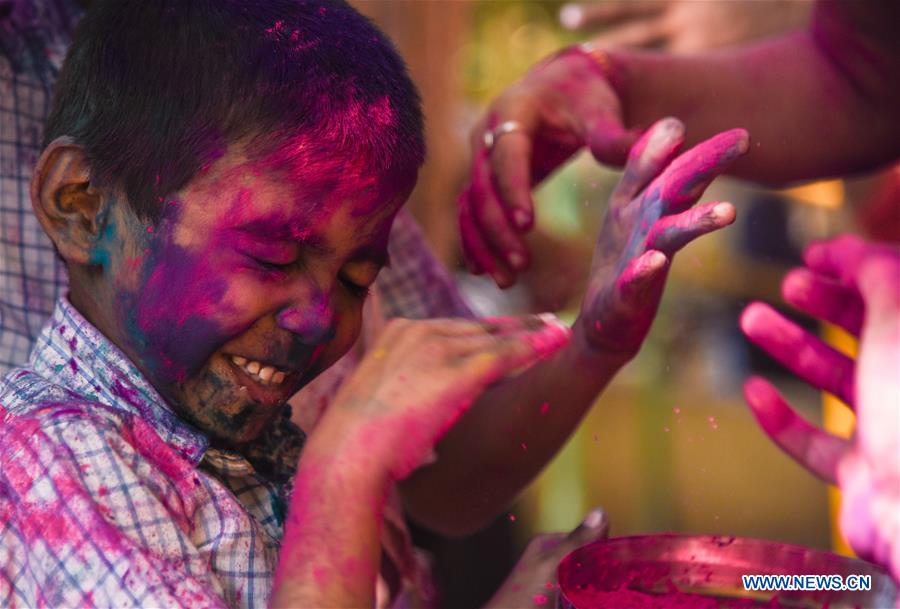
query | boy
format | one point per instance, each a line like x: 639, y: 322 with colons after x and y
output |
x: 220, y: 178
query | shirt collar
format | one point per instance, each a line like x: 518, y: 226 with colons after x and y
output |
x: 72, y: 353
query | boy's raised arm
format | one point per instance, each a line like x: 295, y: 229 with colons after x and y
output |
x: 516, y: 427
x: 411, y: 387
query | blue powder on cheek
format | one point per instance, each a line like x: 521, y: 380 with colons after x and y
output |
x: 99, y: 255
x: 192, y: 343
x: 174, y: 348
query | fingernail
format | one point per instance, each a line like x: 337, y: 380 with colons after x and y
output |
x: 655, y: 260
x: 721, y: 210
x: 571, y: 16
x: 594, y: 519
x: 516, y: 260
x: 522, y: 218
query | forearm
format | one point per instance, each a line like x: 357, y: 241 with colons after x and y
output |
x: 816, y: 103
x: 331, y: 547
x: 509, y: 435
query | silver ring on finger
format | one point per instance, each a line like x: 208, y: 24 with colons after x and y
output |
x: 491, y: 136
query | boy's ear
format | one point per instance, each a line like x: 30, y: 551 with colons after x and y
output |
x: 69, y: 208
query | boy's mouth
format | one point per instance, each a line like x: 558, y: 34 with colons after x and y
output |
x: 263, y: 382
x: 260, y: 372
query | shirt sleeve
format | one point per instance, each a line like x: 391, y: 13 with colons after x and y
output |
x: 88, y: 522
x: 416, y: 285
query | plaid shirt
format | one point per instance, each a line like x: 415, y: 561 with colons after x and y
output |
x: 107, y: 498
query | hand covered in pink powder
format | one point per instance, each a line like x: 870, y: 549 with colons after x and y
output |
x: 532, y: 582
x: 421, y: 376
x: 563, y: 105
x: 854, y: 285
x: 650, y: 217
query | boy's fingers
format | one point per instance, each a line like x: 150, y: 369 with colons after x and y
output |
x: 618, y: 318
x: 477, y: 254
x: 594, y: 526
x: 685, y: 179
x: 608, y: 140
x: 585, y: 15
x: 816, y: 450
x: 641, y: 279
x: 487, y: 238
x: 671, y: 233
x: 647, y: 158
x: 879, y: 282
x: 824, y: 298
x: 800, y: 352
x: 838, y: 258
x: 518, y: 323
x: 493, y: 222
x: 510, y: 168
x: 495, y: 355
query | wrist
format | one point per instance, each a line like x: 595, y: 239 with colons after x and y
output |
x: 604, y: 62
x: 343, y: 443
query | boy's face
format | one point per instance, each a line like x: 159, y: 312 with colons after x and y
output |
x: 250, y: 285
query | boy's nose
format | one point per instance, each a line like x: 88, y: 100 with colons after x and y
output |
x: 312, y: 322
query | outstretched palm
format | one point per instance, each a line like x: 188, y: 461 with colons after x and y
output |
x: 650, y: 217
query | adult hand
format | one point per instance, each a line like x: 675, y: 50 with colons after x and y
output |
x: 683, y: 26
x: 421, y: 376
x: 532, y: 582
x: 561, y: 105
x: 855, y: 285
x: 650, y: 217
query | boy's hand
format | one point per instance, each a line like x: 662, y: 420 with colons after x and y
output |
x: 532, y: 582
x: 854, y: 285
x: 650, y: 217
x: 561, y: 106
x: 421, y: 376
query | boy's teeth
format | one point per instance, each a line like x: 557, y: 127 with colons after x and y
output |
x: 265, y: 375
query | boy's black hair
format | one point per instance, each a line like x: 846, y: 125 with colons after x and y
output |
x: 154, y: 90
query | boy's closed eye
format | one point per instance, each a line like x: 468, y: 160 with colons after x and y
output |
x: 359, y: 276
x: 278, y: 262
x: 274, y: 261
